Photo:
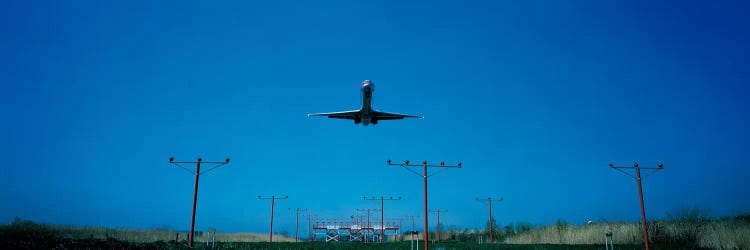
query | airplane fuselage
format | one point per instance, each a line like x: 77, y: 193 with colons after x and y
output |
x: 366, y: 111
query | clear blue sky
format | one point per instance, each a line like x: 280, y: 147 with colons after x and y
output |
x: 535, y: 98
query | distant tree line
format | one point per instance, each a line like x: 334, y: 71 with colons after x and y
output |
x: 499, y: 233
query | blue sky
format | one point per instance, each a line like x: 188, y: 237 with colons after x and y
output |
x: 535, y: 98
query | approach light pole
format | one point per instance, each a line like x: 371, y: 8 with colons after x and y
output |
x: 424, y: 165
x: 400, y: 223
x: 438, y: 222
x: 382, y: 213
x: 273, y: 200
x: 369, y: 228
x: 195, y: 192
x: 308, y: 226
x: 489, y: 206
x: 640, y: 190
x: 296, y: 223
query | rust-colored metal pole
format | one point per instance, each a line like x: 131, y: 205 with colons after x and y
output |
x: 315, y: 232
x: 195, y: 202
x: 296, y: 227
x: 438, y: 227
x: 424, y: 179
x: 270, y: 234
x: 308, y: 226
x: 643, y: 209
x: 490, y: 205
x: 368, y: 225
x: 426, y: 230
x: 191, y: 234
x: 640, y: 193
x: 382, y: 226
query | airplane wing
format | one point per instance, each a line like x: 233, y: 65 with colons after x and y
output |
x: 392, y: 116
x: 351, y: 115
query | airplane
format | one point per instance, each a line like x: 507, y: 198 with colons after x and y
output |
x: 366, y: 114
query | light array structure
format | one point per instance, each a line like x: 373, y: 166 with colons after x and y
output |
x: 296, y: 222
x: 382, y: 212
x: 368, y: 228
x: 315, y: 220
x: 356, y: 230
x: 330, y: 228
x: 424, y: 175
x: 489, y: 206
x: 358, y: 219
x: 195, y: 192
x: 273, y: 199
x: 438, y: 211
x: 637, y: 176
x: 351, y: 228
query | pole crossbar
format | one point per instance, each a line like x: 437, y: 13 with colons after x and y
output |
x: 425, y: 176
x: 651, y: 173
x: 218, y: 163
x: 185, y: 168
x: 439, y: 171
x: 411, y: 170
x: 626, y: 173
x: 202, y: 162
x: 660, y: 166
x: 640, y: 191
x: 195, y: 192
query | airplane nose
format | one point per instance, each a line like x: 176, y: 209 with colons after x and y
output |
x: 367, y: 84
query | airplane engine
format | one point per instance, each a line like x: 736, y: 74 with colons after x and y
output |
x: 357, y: 121
x: 374, y: 121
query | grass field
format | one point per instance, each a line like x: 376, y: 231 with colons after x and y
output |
x: 30, y: 235
x: 727, y: 233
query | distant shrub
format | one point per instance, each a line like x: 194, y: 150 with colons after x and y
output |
x: 561, y: 227
x: 26, y: 234
x: 742, y: 218
x: 687, y: 224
